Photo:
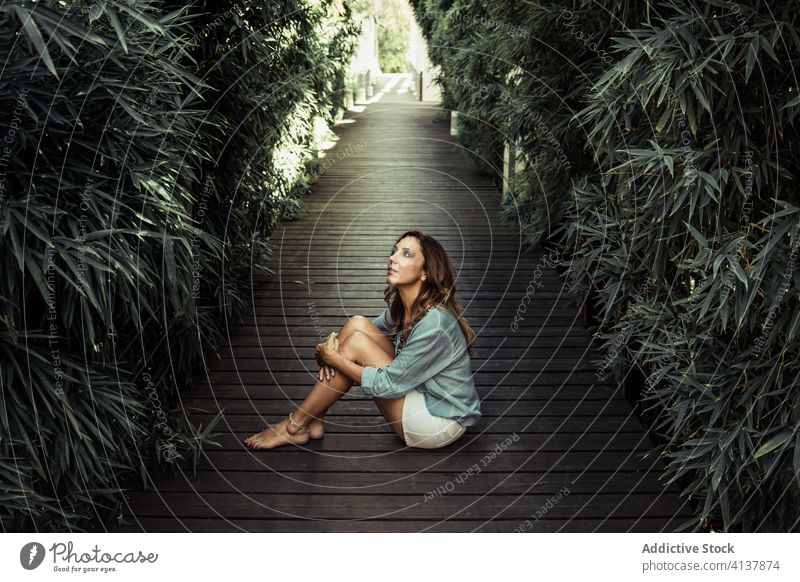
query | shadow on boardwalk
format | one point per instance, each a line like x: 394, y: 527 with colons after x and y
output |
x: 554, y: 451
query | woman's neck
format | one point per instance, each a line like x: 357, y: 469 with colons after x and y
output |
x: 409, y: 294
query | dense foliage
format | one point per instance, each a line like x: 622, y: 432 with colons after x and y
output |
x: 149, y: 148
x: 658, y: 141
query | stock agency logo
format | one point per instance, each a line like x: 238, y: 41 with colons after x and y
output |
x: 33, y: 554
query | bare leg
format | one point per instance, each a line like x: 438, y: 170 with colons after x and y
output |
x: 324, y: 394
x: 357, y: 346
x: 365, y: 325
x: 355, y: 323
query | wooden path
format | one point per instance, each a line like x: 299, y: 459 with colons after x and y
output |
x: 576, y: 459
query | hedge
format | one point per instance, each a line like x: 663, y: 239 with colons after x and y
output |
x: 150, y: 149
x: 660, y: 147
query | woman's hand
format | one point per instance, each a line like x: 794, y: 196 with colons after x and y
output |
x: 326, y: 352
x: 326, y: 373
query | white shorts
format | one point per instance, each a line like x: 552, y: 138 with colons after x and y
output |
x: 425, y: 430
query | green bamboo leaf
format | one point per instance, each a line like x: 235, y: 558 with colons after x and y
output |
x: 701, y: 97
x: 773, y: 443
x: 774, y: 237
x: 35, y: 36
x: 73, y: 421
x: 690, y: 115
x: 725, y: 505
x: 718, y: 262
x: 665, y: 118
x: 792, y: 103
x: 767, y: 46
x: 36, y: 273
x: 669, y: 162
x: 697, y: 235
x: 169, y: 259
x: 796, y: 460
x: 137, y: 14
x: 706, y: 305
x: 752, y: 56
x: 738, y: 271
x: 131, y: 111
x: 719, y: 471
x: 57, y: 22
x: 114, y: 19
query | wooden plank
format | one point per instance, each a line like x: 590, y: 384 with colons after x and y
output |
x: 506, y: 424
x: 314, y: 304
x: 494, y: 364
x: 336, y: 272
x: 365, y: 262
x: 295, y: 458
x: 664, y: 524
x: 273, y: 296
x: 519, y: 358
x: 301, y: 307
x: 557, y: 441
x: 511, y: 378
x: 377, y: 281
x: 224, y: 392
x: 483, y: 342
x: 419, y: 483
x: 235, y: 506
x: 489, y: 407
x: 532, y: 331
x: 303, y: 346
x: 499, y: 320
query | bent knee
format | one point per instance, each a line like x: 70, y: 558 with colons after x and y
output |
x: 349, y: 345
x: 360, y: 322
x: 360, y: 347
x: 354, y: 336
x: 365, y: 326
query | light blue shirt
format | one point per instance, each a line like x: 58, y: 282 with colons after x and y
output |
x: 434, y: 361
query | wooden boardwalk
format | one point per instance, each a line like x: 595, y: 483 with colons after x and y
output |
x: 575, y: 457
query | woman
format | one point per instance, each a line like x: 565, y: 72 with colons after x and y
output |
x: 422, y: 382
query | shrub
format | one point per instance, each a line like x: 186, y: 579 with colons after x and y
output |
x: 129, y: 223
x: 674, y: 206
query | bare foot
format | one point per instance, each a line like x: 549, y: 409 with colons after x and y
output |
x: 276, y: 435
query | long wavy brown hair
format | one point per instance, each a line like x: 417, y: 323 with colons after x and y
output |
x: 438, y: 288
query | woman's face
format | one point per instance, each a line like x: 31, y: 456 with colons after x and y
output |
x: 405, y: 262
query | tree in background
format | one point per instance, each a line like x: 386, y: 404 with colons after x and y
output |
x: 394, y: 27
